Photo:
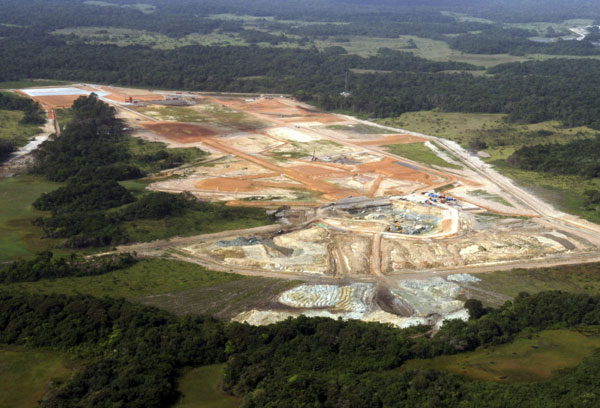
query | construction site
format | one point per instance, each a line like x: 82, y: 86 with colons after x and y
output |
x: 373, y: 235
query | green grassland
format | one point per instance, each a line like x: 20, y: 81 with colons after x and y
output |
x: 435, y: 50
x: 154, y: 281
x: 195, y: 222
x: 222, y: 300
x: 568, y: 278
x: 364, y: 46
x: 18, y: 238
x: 25, y: 375
x: 172, y: 113
x: 64, y: 116
x: 11, y: 129
x: 203, y: 113
x: 221, y: 115
x: 145, y: 278
x: 492, y: 197
x: 565, y: 192
x: 501, y: 137
x: 420, y: 153
x: 531, y: 358
x: 200, y: 389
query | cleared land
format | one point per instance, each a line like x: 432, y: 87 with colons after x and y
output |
x: 221, y: 300
x: 179, y: 287
x: 147, y: 277
x: 294, y: 157
x: 372, y: 218
x: 181, y: 132
x: 526, y: 359
x: 26, y: 374
x: 200, y: 389
x: 17, y: 236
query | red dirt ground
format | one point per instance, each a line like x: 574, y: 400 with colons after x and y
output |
x: 312, y: 183
x: 313, y: 170
x: 242, y: 185
x: 389, y: 168
x: 122, y: 95
x: 275, y: 204
x: 180, y: 132
x: 394, y: 139
x: 56, y: 101
x: 272, y: 107
x: 143, y: 98
x: 227, y: 184
x: 323, y: 118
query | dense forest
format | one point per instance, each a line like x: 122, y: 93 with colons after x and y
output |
x: 47, y: 266
x: 399, y: 81
x: 516, y: 42
x: 415, y: 84
x: 135, y: 355
x: 580, y: 157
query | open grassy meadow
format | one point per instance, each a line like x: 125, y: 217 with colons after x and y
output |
x: 364, y: 46
x: 11, y: 129
x: 565, y: 192
x: 18, y: 238
x: 491, y: 197
x: 26, y: 374
x: 145, y: 278
x: 194, y: 222
x: 222, y: 300
x: 172, y: 113
x: 568, y: 278
x: 501, y: 137
x: 155, y: 282
x: 64, y: 116
x: 200, y: 389
x: 533, y: 357
x: 203, y: 113
x: 420, y: 153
